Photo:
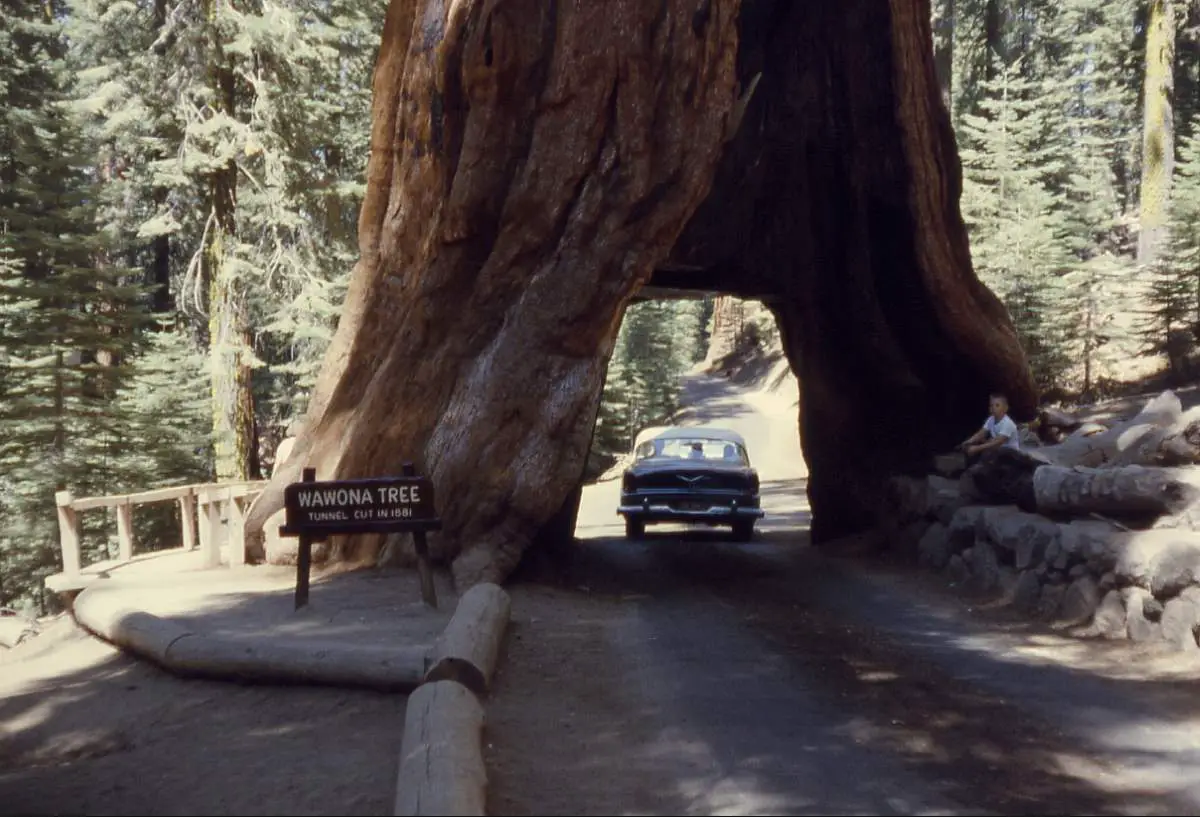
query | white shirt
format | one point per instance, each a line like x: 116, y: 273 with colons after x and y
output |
x: 1003, y: 427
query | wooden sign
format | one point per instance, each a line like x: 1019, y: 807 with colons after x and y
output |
x: 387, y: 505
x: 316, y: 510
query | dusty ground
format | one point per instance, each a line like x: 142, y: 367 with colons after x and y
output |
x: 87, y: 730
x: 690, y: 675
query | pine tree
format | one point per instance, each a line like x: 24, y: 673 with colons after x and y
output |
x: 1017, y: 223
x: 68, y: 316
x: 1175, y: 280
x: 1087, y: 47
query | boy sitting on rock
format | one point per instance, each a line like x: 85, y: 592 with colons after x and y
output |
x: 998, y: 430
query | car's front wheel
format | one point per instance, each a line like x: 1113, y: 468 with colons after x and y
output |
x: 634, y: 528
x: 743, y: 530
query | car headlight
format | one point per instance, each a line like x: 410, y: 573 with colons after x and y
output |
x: 754, y: 483
x: 628, y: 483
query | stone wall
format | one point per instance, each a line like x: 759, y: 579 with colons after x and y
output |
x: 1110, y: 580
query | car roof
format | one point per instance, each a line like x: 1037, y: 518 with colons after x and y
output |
x: 690, y: 433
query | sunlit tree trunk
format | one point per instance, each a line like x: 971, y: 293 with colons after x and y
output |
x: 1158, y: 131
x: 235, y: 443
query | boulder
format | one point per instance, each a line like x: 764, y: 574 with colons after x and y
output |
x: 1080, y: 601
x: 985, y: 568
x: 934, y: 548
x: 1108, y: 581
x: 1109, y: 621
x: 957, y: 569
x: 943, y: 498
x: 1026, y: 535
x: 1176, y: 568
x: 1152, y: 608
x: 965, y: 525
x: 1061, y: 560
x: 1087, y: 540
x: 1053, y: 551
x: 907, y: 541
x: 1026, y: 592
x: 967, y: 488
x: 1050, y: 601
x: 907, y: 497
x: 1163, y: 561
x: 950, y: 465
x: 1137, y: 625
x: 1181, y: 621
x: 1008, y: 580
x: 1078, y: 571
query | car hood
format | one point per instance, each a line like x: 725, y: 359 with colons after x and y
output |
x: 711, y: 466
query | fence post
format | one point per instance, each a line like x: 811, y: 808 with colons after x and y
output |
x: 187, y: 521
x: 237, y: 531
x: 125, y: 531
x: 212, y: 551
x: 68, y: 532
x: 202, y: 519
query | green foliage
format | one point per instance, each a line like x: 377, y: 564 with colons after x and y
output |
x: 1048, y: 122
x: 1175, y: 282
x: 1018, y: 225
x: 69, y: 315
x: 658, y: 342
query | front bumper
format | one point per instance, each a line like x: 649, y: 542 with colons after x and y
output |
x: 650, y: 511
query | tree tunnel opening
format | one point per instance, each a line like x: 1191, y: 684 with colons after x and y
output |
x: 689, y: 358
x: 534, y: 166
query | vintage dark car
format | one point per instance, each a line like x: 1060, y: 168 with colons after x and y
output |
x: 691, y: 475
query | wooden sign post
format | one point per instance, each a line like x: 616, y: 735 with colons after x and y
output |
x: 317, y: 510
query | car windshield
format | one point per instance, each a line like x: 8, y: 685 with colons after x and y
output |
x: 702, y: 449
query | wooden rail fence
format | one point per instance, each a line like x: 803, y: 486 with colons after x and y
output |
x: 220, y: 508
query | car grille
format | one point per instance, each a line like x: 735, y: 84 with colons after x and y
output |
x: 683, y: 481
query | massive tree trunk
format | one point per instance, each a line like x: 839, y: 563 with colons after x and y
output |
x: 533, y: 162
x: 840, y: 194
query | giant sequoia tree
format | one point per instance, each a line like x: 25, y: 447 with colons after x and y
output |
x: 533, y: 163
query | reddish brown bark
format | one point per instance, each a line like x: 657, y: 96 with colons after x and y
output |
x: 839, y: 197
x: 531, y: 163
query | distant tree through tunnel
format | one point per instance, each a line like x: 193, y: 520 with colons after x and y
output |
x: 534, y: 164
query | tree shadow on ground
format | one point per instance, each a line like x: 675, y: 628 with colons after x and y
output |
x: 85, y: 729
x: 846, y: 673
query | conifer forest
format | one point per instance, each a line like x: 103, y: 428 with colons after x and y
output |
x: 180, y: 183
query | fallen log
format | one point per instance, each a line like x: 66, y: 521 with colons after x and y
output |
x: 441, y: 757
x: 1133, y: 492
x: 1054, y: 424
x: 1004, y: 476
x: 15, y: 629
x: 469, y: 647
x: 1161, y: 434
x: 1130, y: 491
x: 265, y: 659
x: 387, y: 669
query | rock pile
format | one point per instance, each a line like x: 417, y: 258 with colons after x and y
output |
x: 1122, y: 559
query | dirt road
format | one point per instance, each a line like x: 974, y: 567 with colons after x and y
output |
x: 690, y: 675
